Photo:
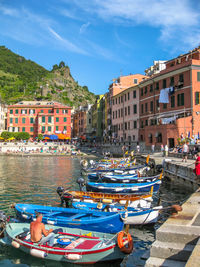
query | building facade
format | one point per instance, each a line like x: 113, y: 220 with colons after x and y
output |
x: 170, y: 102
x: 39, y: 117
x: 125, y: 108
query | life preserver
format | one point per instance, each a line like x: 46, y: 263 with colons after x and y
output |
x: 121, y: 243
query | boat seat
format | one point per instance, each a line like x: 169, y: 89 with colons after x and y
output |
x: 88, y: 244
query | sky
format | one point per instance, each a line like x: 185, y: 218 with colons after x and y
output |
x: 100, y: 39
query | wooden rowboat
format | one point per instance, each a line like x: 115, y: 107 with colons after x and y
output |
x: 70, y: 245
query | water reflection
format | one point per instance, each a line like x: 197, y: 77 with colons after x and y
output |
x: 35, y: 179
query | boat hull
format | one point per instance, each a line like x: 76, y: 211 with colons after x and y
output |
x: 84, y: 255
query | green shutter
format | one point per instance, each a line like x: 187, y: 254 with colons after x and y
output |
x: 197, y: 98
x: 198, y: 76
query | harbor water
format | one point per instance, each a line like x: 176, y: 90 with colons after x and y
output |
x: 34, y: 179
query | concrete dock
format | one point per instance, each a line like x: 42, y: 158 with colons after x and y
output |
x: 177, y: 241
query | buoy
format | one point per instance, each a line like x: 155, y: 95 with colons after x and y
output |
x: 73, y: 257
x: 15, y: 244
x: 38, y: 253
x: 122, y: 244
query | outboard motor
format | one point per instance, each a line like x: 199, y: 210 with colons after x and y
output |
x: 60, y: 190
x: 3, y: 220
x: 84, y: 163
x: 81, y: 183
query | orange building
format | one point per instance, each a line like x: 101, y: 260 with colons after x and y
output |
x: 39, y: 117
x: 164, y: 121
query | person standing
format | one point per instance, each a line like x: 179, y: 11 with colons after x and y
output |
x: 185, y: 152
x: 152, y: 148
x: 166, y: 150
x: 138, y: 148
x: 197, y: 167
x: 162, y: 149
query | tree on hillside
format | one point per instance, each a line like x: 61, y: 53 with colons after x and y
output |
x: 62, y: 64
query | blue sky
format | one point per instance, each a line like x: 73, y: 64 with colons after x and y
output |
x: 99, y: 39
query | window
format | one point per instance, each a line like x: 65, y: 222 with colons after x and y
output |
x: 151, y: 106
x: 31, y: 120
x: 125, y: 97
x: 122, y: 112
x: 116, y: 101
x: 125, y: 111
x: 157, y: 103
x: 65, y: 111
x: 125, y: 125
x: 128, y: 125
x: 180, y: 99
x: 181, y: 78
x: 113, y: 114
x: 172, y: 81
x: 122, y: 99
x: 150, y: 138
x: 57, y: 119
x: 128, y: 95
x: 49, y: 110
x: 133, y: 137
x: 164, y: 105
x: 31, y: 111
x: 141, y: 92
x: 146, y: 107
x: 43, y: 119
x: 134, y: 94
x: 11, y: 120
x: 64, y: 128
x: 49, y: 128
x: 135, y: 81
x: 157, y: 86
x: 119, y: 100
x: 57, y: 111
x: 16, y: 111
x: 23, y: 111
x: 142, y: 126
x: 198, y: 76
x: 135, y: 124
x: 16, y: 120
x: 113, y: 102
x: 197, y: 98
x: 142, y: 108
x: 146, y: 122
x: 172, y: 101
x: 119, y: 113
x: 151, y: 88
x: 23, y: 129
x: 49, y: 119
x: 23, y: 120
x: 128, y: 110
x: 42, y: 111
x: 116, y: 114
x: 134, y: 109
x: 11, y: 111
x: 56, y: 128
x: 43, y: 129
x: 164, y: 83
x: 145, y: 90
x: 31, y: 129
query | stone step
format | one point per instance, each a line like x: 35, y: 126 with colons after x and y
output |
x: 172, y: 233
x: 174, y: 251
x: 157, y: 262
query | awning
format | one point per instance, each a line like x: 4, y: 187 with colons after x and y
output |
x: 53, y: 137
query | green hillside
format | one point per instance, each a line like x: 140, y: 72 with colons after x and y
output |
x: 22, y: 79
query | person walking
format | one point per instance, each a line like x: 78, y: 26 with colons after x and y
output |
x: 185, y: 152
x: 162, y: 149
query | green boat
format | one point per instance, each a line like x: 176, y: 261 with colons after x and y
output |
x: 70, y: 245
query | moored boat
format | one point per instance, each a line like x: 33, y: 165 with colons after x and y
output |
x: 70, y: 245
x: 70, y: 217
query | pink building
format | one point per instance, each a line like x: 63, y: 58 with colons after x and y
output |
x: 125, y: 109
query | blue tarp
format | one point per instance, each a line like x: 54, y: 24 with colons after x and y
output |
x: 53, y: 137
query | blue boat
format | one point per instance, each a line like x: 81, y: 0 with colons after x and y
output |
x: 121, y: 178
x: 130, y: 215
x: 70, y: 217
x: 121, y: 188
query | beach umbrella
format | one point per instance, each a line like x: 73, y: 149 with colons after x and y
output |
x: 53, y: 137
x: 189, y: 134
x: 47, y: 138
x: 10, y: 139
x: 198, y: 136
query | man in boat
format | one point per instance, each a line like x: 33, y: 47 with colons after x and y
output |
x: 38, y: 232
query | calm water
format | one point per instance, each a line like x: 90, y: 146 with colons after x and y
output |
x: 35, y: 179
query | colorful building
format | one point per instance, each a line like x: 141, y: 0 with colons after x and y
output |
x: 97, y: 118
x: 125, y: 107
x: 168, y: 114
x: 39, y: 117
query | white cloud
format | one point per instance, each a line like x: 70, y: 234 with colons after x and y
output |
x: 67, y: 44
x: 84, y: 27
x: 171, y: 17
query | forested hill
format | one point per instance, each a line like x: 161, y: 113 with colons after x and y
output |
x: 22, y: 79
